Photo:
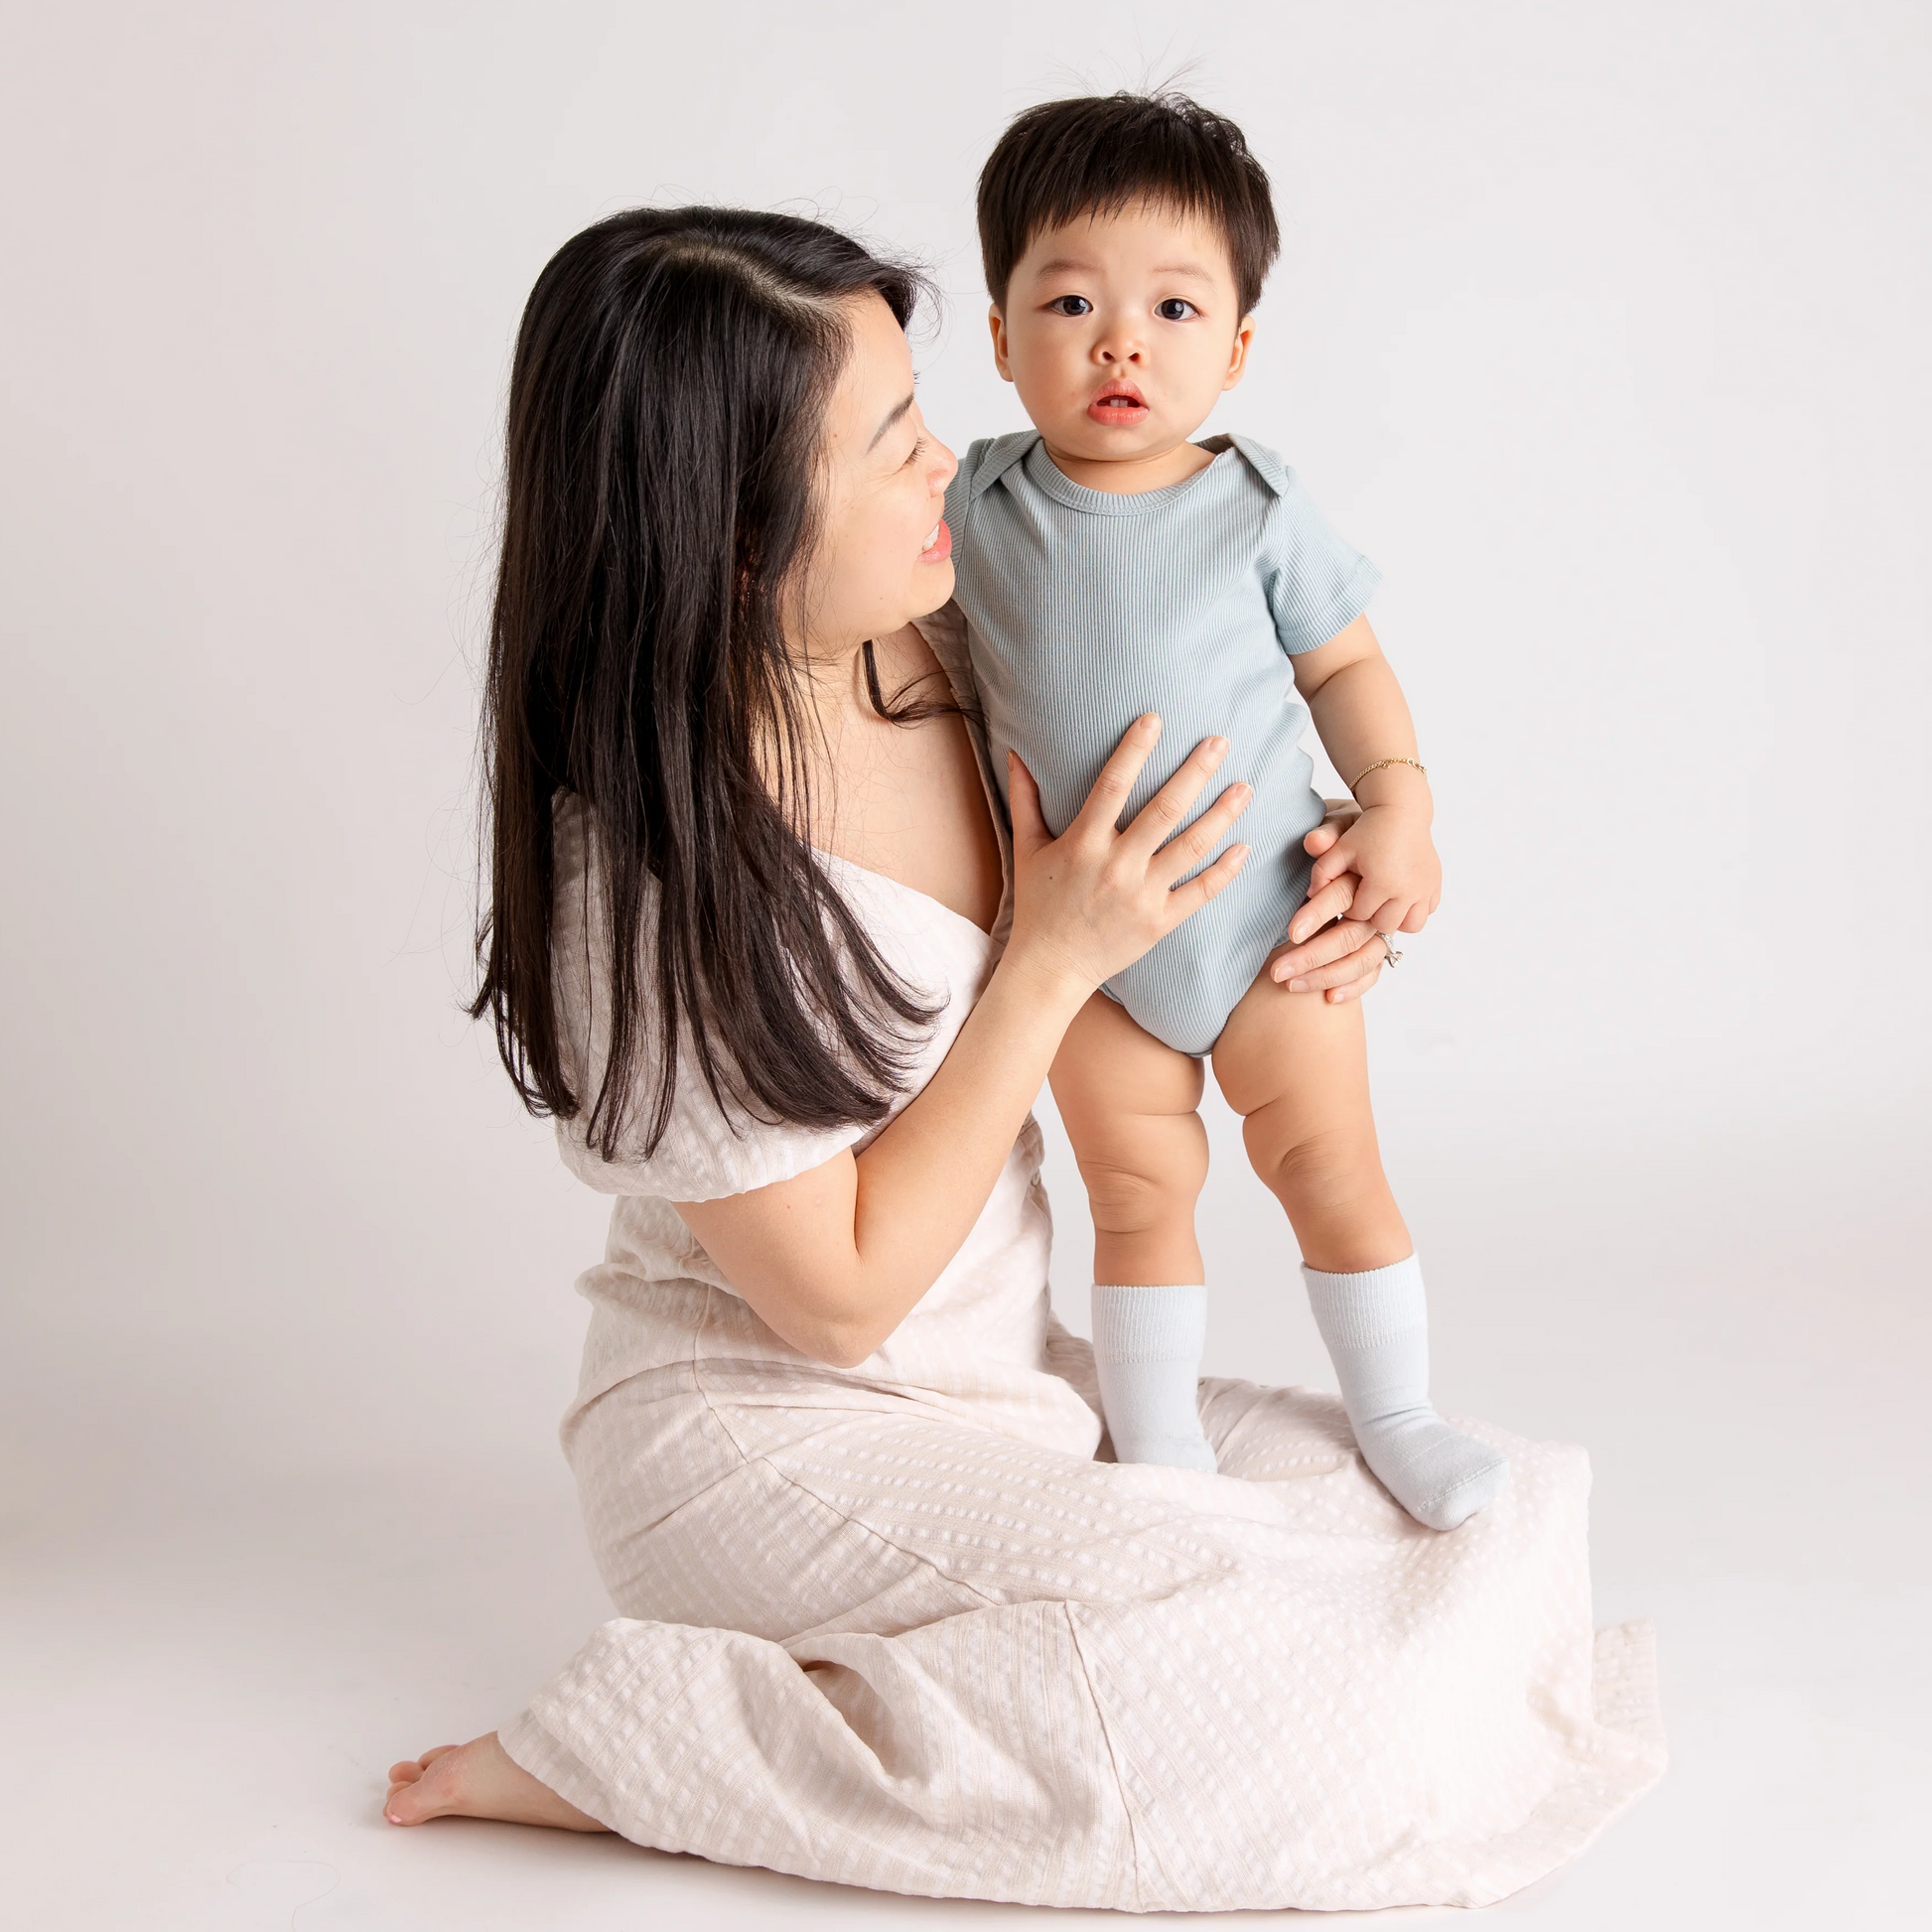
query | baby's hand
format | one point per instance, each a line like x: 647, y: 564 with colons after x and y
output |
x: 1399, y: 876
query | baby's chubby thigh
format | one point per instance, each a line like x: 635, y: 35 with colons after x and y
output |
x: 1295, y: 1067
x: 1129, y: 1103
x: 1295, y: 1054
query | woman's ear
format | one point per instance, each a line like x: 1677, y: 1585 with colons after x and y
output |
x: 1244, y: 338
x: 998, y: 323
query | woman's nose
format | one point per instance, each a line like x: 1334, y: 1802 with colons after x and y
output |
x: 945, y: 467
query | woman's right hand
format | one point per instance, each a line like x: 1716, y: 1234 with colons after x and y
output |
x: 1088, y: 903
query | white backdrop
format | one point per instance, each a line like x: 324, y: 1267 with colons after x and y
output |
x: 1603, y: 330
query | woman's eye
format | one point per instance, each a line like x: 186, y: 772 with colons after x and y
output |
x: 1071, y: 304
x: 919, y: 450
x: 1174, y: 310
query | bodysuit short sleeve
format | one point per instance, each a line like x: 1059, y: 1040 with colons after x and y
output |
x: 706, y: 1152
x: 1316, y: 583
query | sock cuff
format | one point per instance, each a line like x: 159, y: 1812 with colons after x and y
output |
x: 1370, y: 1307
x: 1150, y: 1325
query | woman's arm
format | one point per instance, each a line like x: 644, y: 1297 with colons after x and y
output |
x: 833, y: 1260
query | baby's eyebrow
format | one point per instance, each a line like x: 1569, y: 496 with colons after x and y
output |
x: 1079, y: 264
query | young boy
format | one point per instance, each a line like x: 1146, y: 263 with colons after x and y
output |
x: 1108, y: 566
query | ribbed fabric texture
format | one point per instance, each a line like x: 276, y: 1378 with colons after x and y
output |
x: 1149, y: 1324
x: 1376, y: 1327
x: 1147, y: 1350
x: 1084, y: 610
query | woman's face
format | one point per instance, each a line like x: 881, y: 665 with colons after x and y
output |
x: 885, y: 554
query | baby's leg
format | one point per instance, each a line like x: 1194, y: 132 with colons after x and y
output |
x: 1295, y: 1069
x: 1128, y: 1102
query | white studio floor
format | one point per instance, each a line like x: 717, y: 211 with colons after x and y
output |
x: 209, y: 1674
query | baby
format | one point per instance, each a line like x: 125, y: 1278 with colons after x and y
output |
x: 1109, y: 566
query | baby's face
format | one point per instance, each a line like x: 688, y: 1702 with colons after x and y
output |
x: 1119, y: 331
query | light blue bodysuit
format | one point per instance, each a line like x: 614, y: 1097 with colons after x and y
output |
x: 1084, y: 610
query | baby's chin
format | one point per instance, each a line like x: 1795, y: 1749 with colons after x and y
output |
x: 1089, y: 442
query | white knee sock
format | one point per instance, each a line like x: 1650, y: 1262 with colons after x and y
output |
x: 1376, y: 1325
x: 1147, y: 1348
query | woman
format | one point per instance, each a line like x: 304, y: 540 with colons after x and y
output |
x: 757, y: 943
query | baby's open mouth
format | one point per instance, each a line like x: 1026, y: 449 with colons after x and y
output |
x: 1119, y: 404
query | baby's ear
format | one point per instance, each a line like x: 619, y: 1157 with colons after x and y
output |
x: 1244, y: 335
x: 997, y: 322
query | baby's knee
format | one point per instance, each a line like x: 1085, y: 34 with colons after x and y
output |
x: 1321, y: 1168
x: 1142, y: 1180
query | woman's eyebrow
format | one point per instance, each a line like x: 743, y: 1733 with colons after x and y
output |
x: 889, y: 422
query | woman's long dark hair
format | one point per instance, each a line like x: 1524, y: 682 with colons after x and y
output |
x: 666, y: 408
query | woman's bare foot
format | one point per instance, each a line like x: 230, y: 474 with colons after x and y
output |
x: 479, y: 1779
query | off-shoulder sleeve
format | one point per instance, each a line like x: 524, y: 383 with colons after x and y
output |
x: 707, y: 1151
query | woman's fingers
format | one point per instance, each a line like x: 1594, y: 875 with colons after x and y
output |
x: 1154, y: 823
x: 1187, y: 899
x: 1030, y: 831
x: 1331, y: 943
x: 1362, y: 962
x: 1186, y: 850
x: 1109, y: 795
x: 1354, y: 989
x: 1331, y: 903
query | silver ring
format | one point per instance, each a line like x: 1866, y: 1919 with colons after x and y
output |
x: 1389, y: 948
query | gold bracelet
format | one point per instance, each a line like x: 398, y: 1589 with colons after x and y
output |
x: 1382, y: 765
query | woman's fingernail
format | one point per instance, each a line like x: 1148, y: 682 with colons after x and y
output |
x: 1297, y: 986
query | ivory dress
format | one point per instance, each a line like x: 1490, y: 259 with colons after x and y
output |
x: 895, y: 1626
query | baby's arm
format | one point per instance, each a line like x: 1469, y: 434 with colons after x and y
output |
x: 1362, y: 718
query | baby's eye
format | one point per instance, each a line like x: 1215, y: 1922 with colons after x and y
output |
x: 1070, y: 305
x: 1173, y: 309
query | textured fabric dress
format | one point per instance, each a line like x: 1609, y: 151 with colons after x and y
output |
x: 896, y: 1627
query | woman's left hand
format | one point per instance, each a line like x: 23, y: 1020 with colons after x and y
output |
x: 1339, y: 957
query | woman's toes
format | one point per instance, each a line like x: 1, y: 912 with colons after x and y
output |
x: 477, y: 1780
x: 414, y: 1803
x: 418, y: 1791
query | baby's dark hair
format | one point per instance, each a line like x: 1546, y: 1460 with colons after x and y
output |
x: 1097, y: 154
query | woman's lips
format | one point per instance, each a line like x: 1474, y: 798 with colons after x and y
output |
x: 1119, y: 405
x: 938, y: 546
